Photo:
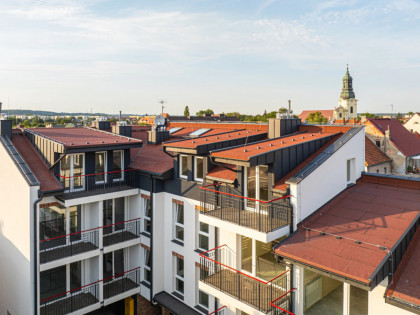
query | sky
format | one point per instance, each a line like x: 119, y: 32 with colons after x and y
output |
x: 228, y: 55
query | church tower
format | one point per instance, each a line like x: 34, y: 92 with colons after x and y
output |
x: 347, y: 104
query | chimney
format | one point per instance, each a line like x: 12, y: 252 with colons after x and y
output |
x: 288, y: 111
x: 0, y: 108
x: 120, y: 116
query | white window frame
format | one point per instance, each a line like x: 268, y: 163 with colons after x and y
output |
x: 145, y: 217
x: 181, y: 156
x: 177, y: 224
x: 71, y: 179
x: 198, y: 179
x: 122, y: 165
x: 105, y: 167
x: 202, y: 233
x: 178, y: 277
x: 145, y: 267
x: 198, y: 300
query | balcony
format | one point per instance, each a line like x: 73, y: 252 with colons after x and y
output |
x: 98, y: 183
x: 221, y: 202
x: 215, y: 272
x: 121, y: 232
x: 71, y: 301
x: 68, y: 245
x: 282, y: 304
x: 121, y: 283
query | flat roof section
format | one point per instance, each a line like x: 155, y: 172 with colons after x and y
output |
x: 376, y: 213
x: 244, y: 153
x: 83, y: 137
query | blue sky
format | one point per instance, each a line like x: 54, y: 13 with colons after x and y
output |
x: 230, y: 55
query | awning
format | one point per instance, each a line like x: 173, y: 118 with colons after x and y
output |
x: 174, y: 305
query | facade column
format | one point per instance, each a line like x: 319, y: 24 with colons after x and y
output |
x: 67, y: 216
x: 346, y: 298
x: 299, y: 284
x: 254, y: 257
x: 101, y: 252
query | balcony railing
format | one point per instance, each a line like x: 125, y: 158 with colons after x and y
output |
x: 68, y: 245
x: 71, y: 301
x: 121, y: 283
x: 214, y: 271
x: 283, y: 304
x: 80, y: 242
x: 264, y: 216
x: 219, y: 311
x: 85, y: 185
x: 121, y: 232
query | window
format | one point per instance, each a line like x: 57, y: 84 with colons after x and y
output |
x: 348, y: 171
x: 183, y: 166
x: 118, y: 165
x: 378, y: 143
x: 100, y: 167
x: 147, y: 274
x: 72, y: 171
x: 203, y: 299
x: 179, y: 275
x: 178, y: 221
x: 377, y: 171
x: 385, y: 170
x: 147, y: 225
x: 198, y: 169
x: 341, y: 115
x: 351, y: 109
x: 203, y: 236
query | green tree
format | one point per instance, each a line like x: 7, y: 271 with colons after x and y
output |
x: 186, y: 111
x: 410, y: 114
x: 207, y: 111
x: 284, y: 110
x: 368, y: 115
x: 316, y: 118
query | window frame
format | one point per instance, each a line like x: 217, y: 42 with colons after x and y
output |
x: 178, y: 277
x: 181, y: 156
x: 122, y: 165
x: 205, y: 234
x: 145, y: 217
x: 198, y: 179
x: 206, y: 307
x: 176, y: 206
x: 105, y: 168
x: 146, y: 268
x: 71, y: 173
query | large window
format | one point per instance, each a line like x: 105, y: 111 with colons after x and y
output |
x: 118, y: 164
x: 203, y: 236
x: 147, y: 274
x: 257, y: 184
x: 179, y: 275
x: 100, y: 167
x: 198, y: 168
x: 72, y: 171
x: 147, y: 224
x: 183, y: 166
x: 178, y: 221
x: 203, y: 299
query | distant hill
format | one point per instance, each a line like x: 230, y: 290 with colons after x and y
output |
x: 12, y: 112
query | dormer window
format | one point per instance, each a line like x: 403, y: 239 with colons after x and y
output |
x: 72, y: 172
x: 198, y: 168
x: 100, y: 167
x: 183, y: 166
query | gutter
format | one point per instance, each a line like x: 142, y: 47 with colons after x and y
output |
x: 152, y: 181
x: 36, y: 254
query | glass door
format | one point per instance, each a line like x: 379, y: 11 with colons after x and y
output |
x: 72, y: 171
x: 257, y: 185
x: 75, y: 224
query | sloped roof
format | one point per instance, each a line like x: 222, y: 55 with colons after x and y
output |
x: 222, y: 174
x: 370, y: 212
x: 404, y: 140
x: 327, y: 113
x: 374, y: 155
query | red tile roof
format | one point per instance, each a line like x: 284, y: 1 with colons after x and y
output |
x: 281, y: 185
x: 83, y: 137
x: 34, y: 161
x: 327, y: 113
x: 404, y: 140
x: 245, y: 153
x: 222, y: 174
x: 223, y: 125
x: 377, y: 214
x: 374, y: 155
x: 417, y: 134
x: 405, y: 284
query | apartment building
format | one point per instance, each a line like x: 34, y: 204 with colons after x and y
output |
x: 200, y: 218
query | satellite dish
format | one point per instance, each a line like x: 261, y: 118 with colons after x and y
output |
x: 160, y: 120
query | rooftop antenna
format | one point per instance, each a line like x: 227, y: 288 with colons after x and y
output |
x: 161, y: 104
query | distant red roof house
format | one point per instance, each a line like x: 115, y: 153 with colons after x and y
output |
x: 374, y: 155
x: 406, y: 142
x: 327, y: 113
x: 417, y: 134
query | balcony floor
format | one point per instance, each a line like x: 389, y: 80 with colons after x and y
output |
x: 92, y: 192
x: 260, y: 299
x: 70, y: 304
x: 65, y: 251
x: 247, y: 218
x: 118, y: 237
x: 117, y: 287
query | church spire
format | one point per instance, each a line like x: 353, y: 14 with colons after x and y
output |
x: 347, y: 91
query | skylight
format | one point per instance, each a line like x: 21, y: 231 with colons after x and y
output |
x: 199, y: 132
x: 175, y: 129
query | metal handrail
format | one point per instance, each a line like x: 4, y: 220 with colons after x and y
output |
x: 215, y: 312
x: 95, y: 174
x: 283, y: 295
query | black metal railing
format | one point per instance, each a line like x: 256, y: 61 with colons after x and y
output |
x: 222, y: 202
x: 283, y: 305
x: 70, y: 301
x: 98, y: 183
x: 68, y: 245
x: 247, y: 289
x: 121, y: 283
x: 121, y: 232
